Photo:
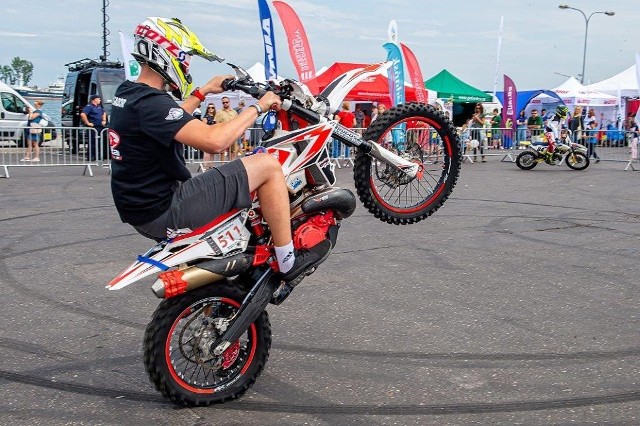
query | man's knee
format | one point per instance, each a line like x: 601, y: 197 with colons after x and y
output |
x: 261, y: 168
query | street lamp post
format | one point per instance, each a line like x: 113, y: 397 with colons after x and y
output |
x: 586, y: 31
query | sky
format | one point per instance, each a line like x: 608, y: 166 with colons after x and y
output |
x: 541, y: 44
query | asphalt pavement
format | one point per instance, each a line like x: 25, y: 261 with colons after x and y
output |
x: 516, y: 303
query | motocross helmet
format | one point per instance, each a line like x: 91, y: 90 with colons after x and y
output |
x: 562, y: 111
x: 167, y: 47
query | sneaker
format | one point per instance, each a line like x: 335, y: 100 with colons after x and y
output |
x: 35, y: 160
x: 307, y: 259
x: 26, y: 159
x: 598, y: 160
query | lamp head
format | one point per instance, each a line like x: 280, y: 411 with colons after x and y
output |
x: 564, y: 6
x: 609, y: 13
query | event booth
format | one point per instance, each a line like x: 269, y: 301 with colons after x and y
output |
x: 530, y: 99
x: 624, y: 85
x: 462, y: 95
x: 372, y: 89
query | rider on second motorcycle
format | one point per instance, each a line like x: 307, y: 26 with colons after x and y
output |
x: 552, y: 131
x: 152, y: 188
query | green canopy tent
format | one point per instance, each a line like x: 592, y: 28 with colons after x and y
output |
x: 449, y: 86
x: 464, y: 96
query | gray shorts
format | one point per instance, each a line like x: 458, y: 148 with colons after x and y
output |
x: 201, y: 199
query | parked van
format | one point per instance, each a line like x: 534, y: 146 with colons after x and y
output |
x: 14, y: 110
x: 85, y: 78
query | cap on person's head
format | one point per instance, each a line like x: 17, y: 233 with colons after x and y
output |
x: 95, y: 97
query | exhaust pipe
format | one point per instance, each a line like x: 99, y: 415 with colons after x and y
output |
x: 173, y: 283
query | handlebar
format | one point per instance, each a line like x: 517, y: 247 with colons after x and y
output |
x: 257, y: 91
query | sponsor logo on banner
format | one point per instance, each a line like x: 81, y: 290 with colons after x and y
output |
x: 269, y: 41
x: 299, y: 48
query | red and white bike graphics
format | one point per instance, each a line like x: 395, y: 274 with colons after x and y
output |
x: 209, y: 338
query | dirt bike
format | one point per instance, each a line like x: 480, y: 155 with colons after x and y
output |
x: 209, y: 339
x: 573, y: 154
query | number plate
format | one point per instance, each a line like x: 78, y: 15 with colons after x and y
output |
x: 231, y: 235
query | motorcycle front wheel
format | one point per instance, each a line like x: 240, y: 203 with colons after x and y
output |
x: 418, y: 133
x: 577, y: 161
x: 178, y: 343
x: 526, y: 160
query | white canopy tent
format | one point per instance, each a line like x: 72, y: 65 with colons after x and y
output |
x: 573, y: 93
x: 625, y: 82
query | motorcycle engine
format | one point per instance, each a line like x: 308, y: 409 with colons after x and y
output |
x: 313, y: 230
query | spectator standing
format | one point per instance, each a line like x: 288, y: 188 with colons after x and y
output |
x: 222, y: 116
x: 592, y: 139
x: 521, y: 124
x: 209, y: 118
x: 477, y: 123
x: 366, y: 122
x: 591, y: 116
x: 35, y: 131
x: 374, y: 112
x: 348, y: 120
x: 93, y: 116
x: 238, y: 109
x: 534, y: 124
x: 359, y: 114
x: 631, y: 135
x: 576, y: 125
x: 496, y: 120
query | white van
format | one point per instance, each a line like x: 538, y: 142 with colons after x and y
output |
x: 14, y: 110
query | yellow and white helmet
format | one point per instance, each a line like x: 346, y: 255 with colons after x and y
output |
x: 167, y: 47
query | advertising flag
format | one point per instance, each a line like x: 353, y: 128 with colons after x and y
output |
x: 396, y: 73
x: 299, y: 48
x: 131, y: 66
x: 269, y: 40
x: 509, y: 110
x: 392, y: 31
x: 415, y: 74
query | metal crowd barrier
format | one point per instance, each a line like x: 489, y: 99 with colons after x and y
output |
x: 57, y: 146
x: 610, y: 144
x: 70, y: 146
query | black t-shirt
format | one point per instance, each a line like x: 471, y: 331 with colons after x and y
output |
x: 147, y: 163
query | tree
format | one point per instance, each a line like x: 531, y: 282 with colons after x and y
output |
x: 6, y: 74
x: 20, y: 69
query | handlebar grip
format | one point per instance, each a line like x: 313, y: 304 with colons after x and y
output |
x: 310, y: 116
x: 228, y: 84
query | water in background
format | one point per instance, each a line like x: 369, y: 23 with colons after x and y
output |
x: 52, y: 108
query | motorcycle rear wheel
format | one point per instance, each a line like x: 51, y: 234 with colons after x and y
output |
x: 577, y: 161
x: 388, y: 194
x: 526, y: 160
x: 176, y: 347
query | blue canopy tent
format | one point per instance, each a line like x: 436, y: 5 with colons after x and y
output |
x: 523, y: 98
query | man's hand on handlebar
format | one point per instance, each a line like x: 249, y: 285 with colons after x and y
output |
x: 215, y: 84
x: 270, y: 101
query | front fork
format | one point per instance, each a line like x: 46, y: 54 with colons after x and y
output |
x: 376, y: 151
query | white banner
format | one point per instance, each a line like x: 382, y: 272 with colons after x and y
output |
x: 131, y: 66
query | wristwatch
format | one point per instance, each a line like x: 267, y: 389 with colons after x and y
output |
x: 258, y: 108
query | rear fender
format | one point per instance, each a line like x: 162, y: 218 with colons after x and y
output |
x: 223, y: 235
